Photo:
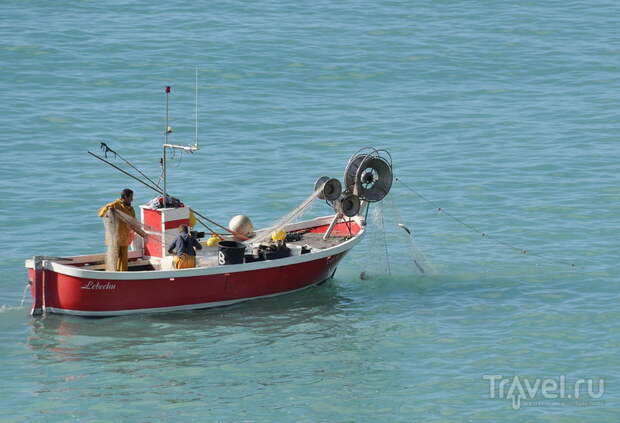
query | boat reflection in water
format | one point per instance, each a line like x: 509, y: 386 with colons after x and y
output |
x: 153, y: 337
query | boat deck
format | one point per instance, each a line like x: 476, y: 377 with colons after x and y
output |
x: 316, y: 241
x: 303, y: 236
x: 207, y: 257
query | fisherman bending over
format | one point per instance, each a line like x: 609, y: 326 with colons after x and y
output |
x: 183, y: 246
x: 122, y: 238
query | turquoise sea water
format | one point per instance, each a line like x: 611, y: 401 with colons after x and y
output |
x: 504, y: 114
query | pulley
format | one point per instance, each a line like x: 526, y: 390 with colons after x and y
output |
x: 369, y: 176
x: 331, y: 188
x: 348, y: 204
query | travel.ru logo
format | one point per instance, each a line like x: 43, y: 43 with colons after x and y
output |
x: 518, y: 389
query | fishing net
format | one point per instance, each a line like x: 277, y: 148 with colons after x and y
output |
x: 133, y: 223
x: 390, y: 245
x: 110, y: 223
x: 416, y: 256
x: 376, y: 261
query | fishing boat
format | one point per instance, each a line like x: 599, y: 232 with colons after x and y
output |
x: 243, y: 266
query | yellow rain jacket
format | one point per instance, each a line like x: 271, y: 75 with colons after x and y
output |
x: 124, y: 231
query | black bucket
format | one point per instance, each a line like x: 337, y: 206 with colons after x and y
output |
x: 230, y: 252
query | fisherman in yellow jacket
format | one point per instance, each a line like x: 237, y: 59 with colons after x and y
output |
x: 123, y: 232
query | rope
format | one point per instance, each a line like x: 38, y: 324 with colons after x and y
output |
x: 282, y: 222
x: 418, y: 257
x: 156, y: 188
x: 106, y: 149
x: 479, y: 232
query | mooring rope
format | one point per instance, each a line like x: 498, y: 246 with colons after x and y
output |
x: 479, y: 232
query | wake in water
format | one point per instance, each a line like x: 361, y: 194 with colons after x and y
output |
x: 7, y: 309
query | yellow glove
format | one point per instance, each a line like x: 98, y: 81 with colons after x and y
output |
x: 213, y: 240
x: 279, y: 235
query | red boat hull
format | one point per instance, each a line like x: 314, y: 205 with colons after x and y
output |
x: 73, y: 286
x: 62, y: 293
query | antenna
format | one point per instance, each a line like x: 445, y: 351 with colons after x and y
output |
x: 166, y: 132
x: 196, y: 115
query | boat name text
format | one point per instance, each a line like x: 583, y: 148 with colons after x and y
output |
x: 101, y: 286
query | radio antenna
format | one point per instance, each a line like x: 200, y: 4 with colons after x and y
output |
x: 196, y: 115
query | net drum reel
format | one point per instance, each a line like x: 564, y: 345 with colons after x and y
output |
x: 330, y: 188
x: 348, y: 204
x: 369, y: 174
